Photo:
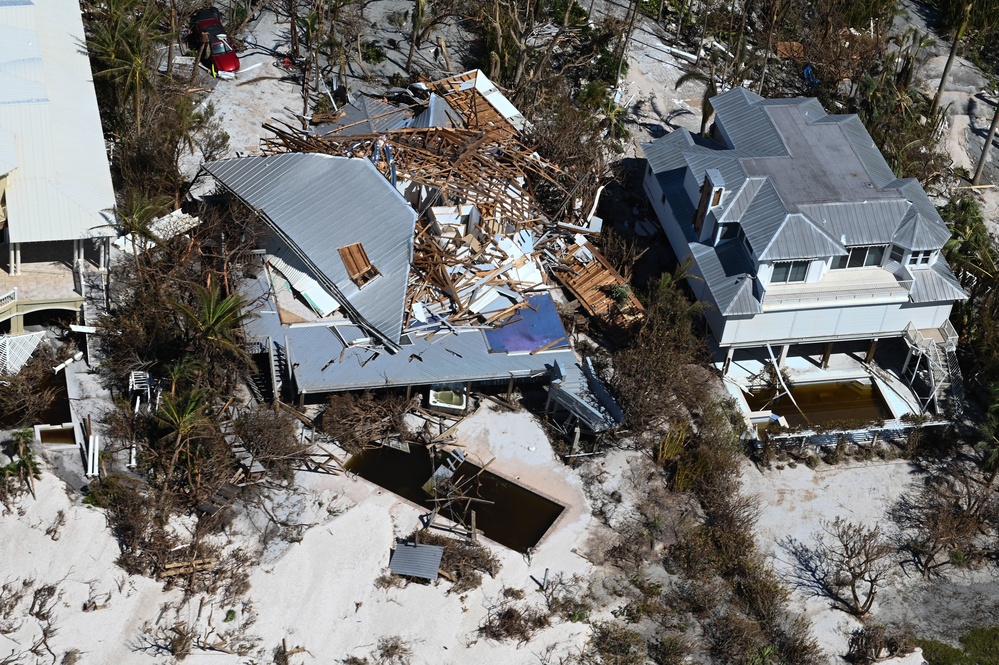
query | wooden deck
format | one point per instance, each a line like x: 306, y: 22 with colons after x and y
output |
x: 592, y: 285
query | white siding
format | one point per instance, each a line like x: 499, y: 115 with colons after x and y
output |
x: 862, y: 322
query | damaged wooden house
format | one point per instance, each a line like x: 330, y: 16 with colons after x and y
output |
x: 417, y: 254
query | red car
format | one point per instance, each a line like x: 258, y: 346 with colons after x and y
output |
x: 220, y: 53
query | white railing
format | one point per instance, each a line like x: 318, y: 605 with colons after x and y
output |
x: 780, y: 294
x: 9, y: 297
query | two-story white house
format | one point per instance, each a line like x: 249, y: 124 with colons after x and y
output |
x: 795, y: 229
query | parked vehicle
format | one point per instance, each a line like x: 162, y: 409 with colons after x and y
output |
x: 220, y: 54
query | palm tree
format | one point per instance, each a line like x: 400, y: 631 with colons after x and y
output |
x: 710, y: 91
x: 985, y: 149
x: 419, y: 12
x: 216, y: 320
x: 123, y: 41
x: 136, y: 216
x: 181, y: 416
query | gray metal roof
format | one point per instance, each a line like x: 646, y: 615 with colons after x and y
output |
x: 414, y: 560
x: 763, y: 217
x: 859, y: 223
x: 727, y: 272
x: 323, y: 364
x: 746, y: 123
x: 666, y: 152
x: 59, y: 187
x: 438, y: 113
x: 368, y: 115
x: 918, y: 233
x: 316, y: 204
x: 858, y: 136
x: 799, y: 238
x: 936, y: 284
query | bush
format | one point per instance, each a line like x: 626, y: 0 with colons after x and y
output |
x: 463, y: 561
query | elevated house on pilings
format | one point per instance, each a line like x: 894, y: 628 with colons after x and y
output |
x: 55, y: 180
x: 809, y: 251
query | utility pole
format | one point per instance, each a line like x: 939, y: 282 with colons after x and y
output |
x: 626, y: 38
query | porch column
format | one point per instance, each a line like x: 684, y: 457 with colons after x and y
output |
x: 728, y: 360
x: 826, y: 353
x: 15, y: 261
x: 783, y: 355
x: 870, y: 350
x: 102, y: 253
x: 17, y: 324
x: 10, y: 258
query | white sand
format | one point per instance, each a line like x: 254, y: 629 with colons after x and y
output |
x: 794, y: 503
x: 318, y: 593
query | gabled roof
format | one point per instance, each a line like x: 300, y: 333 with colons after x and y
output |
x: 59, y: 183
x: 728, y: 275
x: 317, y: 204
x: 799, y: 238
x: 860, y: 222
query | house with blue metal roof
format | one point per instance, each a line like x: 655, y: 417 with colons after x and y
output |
x: 795, y: 230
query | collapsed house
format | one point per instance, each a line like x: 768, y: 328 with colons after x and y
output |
x: 408, y: 245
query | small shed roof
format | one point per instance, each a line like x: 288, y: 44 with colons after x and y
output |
x: 414, y: 560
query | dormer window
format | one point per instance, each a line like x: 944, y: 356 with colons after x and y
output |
x: 921, y: 259
x: 359, y: 267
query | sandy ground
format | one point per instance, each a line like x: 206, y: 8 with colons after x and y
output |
x: 314, y: 586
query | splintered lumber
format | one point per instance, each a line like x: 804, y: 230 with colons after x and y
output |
x: 187, y: 567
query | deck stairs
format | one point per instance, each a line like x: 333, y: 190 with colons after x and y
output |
x: 270, y: 366
x: 933, y: 361
x: 251, y: 466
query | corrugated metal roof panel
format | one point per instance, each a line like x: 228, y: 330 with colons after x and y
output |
x: 799, y: 238
x: 414, y: 560
x: 763, y: 217
x: 318, y: 204
x: 859, y: 223
x: 61, y: 186
x: 746, y: 123
x: 367, y: 115
x: 936, y: 284
x: 666, y: 152
x: 918, y: 233
x: 726, y: 272
x: 438, y: 114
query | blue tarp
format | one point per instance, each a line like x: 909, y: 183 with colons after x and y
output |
x: 531, y: 328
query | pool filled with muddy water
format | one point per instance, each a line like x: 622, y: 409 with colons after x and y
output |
x: 509, y: 514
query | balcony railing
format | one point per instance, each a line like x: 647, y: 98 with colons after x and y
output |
x: 8, y: 298
x: 795, y: 294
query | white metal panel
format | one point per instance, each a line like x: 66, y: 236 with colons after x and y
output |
x: 62, y: 180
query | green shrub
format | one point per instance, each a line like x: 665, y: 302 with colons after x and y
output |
x: 941, y: 653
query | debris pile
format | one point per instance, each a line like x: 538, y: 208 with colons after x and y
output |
x: 496, y: 218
